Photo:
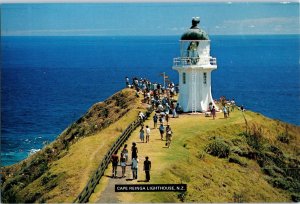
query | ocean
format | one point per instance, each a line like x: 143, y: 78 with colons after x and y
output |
x: 49, y: 82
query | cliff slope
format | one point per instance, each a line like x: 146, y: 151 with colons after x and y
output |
x: 60, y: 170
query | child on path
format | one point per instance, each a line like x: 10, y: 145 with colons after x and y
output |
x: 147, y: 133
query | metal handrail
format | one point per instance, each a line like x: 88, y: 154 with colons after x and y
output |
x: 94, y: 180
x: 183, y: 61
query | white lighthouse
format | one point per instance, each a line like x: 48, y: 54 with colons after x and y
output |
x: 194, y: 67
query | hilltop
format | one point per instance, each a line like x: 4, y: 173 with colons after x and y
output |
x: 245, y: 158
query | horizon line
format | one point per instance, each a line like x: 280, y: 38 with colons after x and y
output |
x: 169, y: 35
x: 147, y: 1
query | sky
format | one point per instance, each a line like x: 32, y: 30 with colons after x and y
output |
x: 139, y: 19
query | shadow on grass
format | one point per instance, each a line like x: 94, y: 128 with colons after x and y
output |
x: 142, y: 181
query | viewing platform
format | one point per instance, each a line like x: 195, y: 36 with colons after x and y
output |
x: 210, y: 62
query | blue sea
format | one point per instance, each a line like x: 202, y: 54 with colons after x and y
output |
x: 49, y: 82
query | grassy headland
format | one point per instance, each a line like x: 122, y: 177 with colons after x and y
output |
x: 60, y: 170
x: 222, y: 160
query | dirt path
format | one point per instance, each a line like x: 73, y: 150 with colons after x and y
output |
x: 153, y: 149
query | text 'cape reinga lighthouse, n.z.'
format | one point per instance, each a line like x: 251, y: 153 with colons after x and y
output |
x: 194, y: 67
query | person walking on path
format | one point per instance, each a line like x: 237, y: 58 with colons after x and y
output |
x: 213, y: 112
x: 228, y: 111
x: 147, y: 133
x: 125, y: 152
x: 225, y: 112
x: 161, y: 131
x: 115, y: 161
x: 168, y: 136
x: 155, y: 118
x: 142, y: 134
x: 167, y: 118
x: 147, y: 168
x: 134, y: 168
x: 123, y: 164
x: 134, y: 150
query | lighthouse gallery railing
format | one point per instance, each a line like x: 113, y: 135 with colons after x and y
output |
x: 183, y: 61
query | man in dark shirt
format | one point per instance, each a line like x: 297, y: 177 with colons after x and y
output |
x: 147, y: 167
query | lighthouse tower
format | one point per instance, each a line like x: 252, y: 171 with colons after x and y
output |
x: 194, y: 67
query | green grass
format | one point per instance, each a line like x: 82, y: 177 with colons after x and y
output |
x: 252, y: 171
x: 234, y: 178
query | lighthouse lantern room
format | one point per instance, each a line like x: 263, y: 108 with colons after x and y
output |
x: 194, y: 67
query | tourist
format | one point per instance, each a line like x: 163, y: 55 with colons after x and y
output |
x: 123, y: 164
x: 167, y: 118
x: 127, y: 82
x: 125, y: 152
x: 228, y: 110
x: 225, y: 112
x: 178, y: 108
x: 147, y: 168
x: 134, y: 150
x: 147, y: 133
x: 160, y: 108
x: 141, y: 116
x: 168, y: 136
x: 162, y: 131
x: 210, y: 106
x: 213, y: 112
x: 242, y: 108
x: 142, y: 134
x: 115, y: 161
x: 174, y: 112
x: 155, y: 118
x: 134, y: 168
x: 232, y: 104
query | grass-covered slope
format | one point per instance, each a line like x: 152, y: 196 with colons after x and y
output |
x: 222, y: 160
x: 60, y: 170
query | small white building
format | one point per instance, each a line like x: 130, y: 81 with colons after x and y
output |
x: 194, y: 67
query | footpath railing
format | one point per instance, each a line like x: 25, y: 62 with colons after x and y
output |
x: 84, y: 196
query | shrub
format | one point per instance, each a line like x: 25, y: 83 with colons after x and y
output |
x: 255, y: 138
x: 236, y: 159
x: 201, y: 155
x: 181, y: 196
x: 218, y: 148
x: 281, y: 183
x: 295, y: 197
x: 284, y: 138
x: 269, y: 170
x: 238, y: 197
x: 32, y: 197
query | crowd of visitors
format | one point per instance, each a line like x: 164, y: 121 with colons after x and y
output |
x: 162, y: 100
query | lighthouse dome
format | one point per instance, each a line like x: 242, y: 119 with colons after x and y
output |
x: 195, y: 33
